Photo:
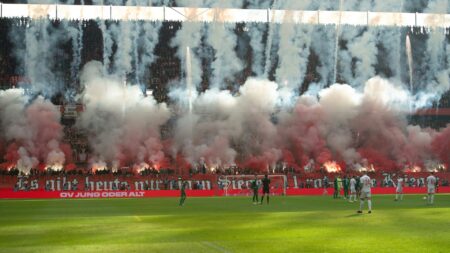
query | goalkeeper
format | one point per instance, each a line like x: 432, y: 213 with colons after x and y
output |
x: 255, y: 187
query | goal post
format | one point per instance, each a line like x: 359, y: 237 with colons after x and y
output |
x: 240, y: 185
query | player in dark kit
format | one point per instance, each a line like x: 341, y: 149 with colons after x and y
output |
x: 358, y: 186
x: 255, y: 190
x: 336, y: 187
x: 346, y: 184
x: 266, y: 188
x: 183, y: 192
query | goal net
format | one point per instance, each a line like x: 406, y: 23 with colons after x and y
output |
x: 241, y: 185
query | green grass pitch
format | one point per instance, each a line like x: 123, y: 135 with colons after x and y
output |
x: 224, y: 224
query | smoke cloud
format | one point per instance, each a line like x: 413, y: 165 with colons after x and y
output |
x: 32, y: 131
x: 264, y: 123
x: 122, y: 124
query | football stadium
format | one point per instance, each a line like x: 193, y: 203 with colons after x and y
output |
x: 224, y: 126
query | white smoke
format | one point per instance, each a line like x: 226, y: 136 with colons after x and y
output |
x: 223, y: 125
x: 76, y: 35
x: 34, y: 49
x: 13, y: 119
x: 56, y: 157
x: 324, y: 51
x: 222, y: 38
x: 293, y: 50
x: 256, y: 33
x: 26, y: 162
x: 190, y: 36
x: 123, y: 34
x: 123, y: 125
x: 436, y: 81
x: 148, y: 38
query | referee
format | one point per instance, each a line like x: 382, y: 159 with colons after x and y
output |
x: 266, y: 187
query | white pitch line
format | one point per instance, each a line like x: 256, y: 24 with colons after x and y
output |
x: 215, y: 246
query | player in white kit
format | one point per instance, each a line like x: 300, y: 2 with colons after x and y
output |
x: 431, y: 188
x: 399, y: 189
x: 366, y: 185
x: 352, y: 189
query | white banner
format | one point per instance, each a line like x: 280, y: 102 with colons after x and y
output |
x: 183, y: 14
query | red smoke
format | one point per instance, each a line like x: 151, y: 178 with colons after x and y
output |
x: 43, y: 119
x: 441, y: 145
x: 302, y: 138
x: 35, y: 139
x: 354, y: 134
x: 11, y: 155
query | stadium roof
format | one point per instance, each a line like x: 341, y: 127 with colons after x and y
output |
x: 183, y: 14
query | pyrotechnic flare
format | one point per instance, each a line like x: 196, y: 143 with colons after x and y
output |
x: 32, y: 131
